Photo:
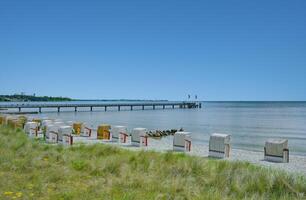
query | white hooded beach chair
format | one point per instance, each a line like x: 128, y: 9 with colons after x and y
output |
x: 44, y: 124
x: 31, y: 128
x: 139, y: 137
x: 51, y: 133
x: 182, y: 141
x: 119, y: 134
x: 219, y: 145
x: 65, y: 135
x: 276, y: 150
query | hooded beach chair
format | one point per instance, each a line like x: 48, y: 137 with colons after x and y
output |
x: 65, y: 135
x: 51, y: 133
x: 44, y: 124
x: 119, y: 134
x: 182, y: 141
x: 31, y: 129
x: 219, y: 145
x: 2, y: 119
x: 276, y: 150
x: 78, y: 128
x: 139, y: 137
x: 103, y: 132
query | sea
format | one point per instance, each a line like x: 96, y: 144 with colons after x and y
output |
x: 249, y: 123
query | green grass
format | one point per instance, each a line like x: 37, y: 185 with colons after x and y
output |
x: 34, y: 170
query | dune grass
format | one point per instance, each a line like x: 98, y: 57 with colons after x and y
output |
x: 34, y: 170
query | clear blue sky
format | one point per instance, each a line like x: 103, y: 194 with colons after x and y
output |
x: 157, y: 49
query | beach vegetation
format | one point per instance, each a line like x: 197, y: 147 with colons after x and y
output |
x: 31, y: 169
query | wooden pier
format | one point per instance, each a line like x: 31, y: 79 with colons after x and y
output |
x: 91, y: 106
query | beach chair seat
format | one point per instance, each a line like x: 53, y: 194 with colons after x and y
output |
x: 276, y: 150
x: 219, y: 145
x: 182, y: 141
x: 31, y: 129
x: 139, y: 137
x: 119, y: 134
x: 65, y: 135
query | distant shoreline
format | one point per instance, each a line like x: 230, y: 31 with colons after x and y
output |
x: 33, y: 98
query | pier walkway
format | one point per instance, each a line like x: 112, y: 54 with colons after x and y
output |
x: 105, y: 105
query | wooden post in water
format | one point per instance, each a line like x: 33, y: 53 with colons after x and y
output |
x: 58, y: 109
x: 164, y: 106
x: 39, y: 109
x: 90, y: 108
x: 105, y: 108
x: 75, y: 109
x: 142, y: 107
x: 153, y: 107
x: 118, y: 108
x: 19, y: 109
x: 131, y: 107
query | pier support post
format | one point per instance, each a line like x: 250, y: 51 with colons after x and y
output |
x: 58, y: 109
x: 39, y: 109
x: 75, y: 109
x: 164, y: 106
x: 131, y: 107
x: 105, y: 108
x: 173, y: 106
x: 19, y: 109
x: 142, y: 107
x: 153, y: 107
x: 118, y: 108
x: 90, y: 108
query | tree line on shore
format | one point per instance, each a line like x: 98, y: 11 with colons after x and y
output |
x: 21, y: 97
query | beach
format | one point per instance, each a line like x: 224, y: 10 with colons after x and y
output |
x: 250, y: 124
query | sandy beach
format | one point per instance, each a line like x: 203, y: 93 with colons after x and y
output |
x: 296, y: 165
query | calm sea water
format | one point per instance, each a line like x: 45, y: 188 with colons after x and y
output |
x: 249, y: 123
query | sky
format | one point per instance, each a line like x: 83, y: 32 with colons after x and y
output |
x: 159, y: 49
